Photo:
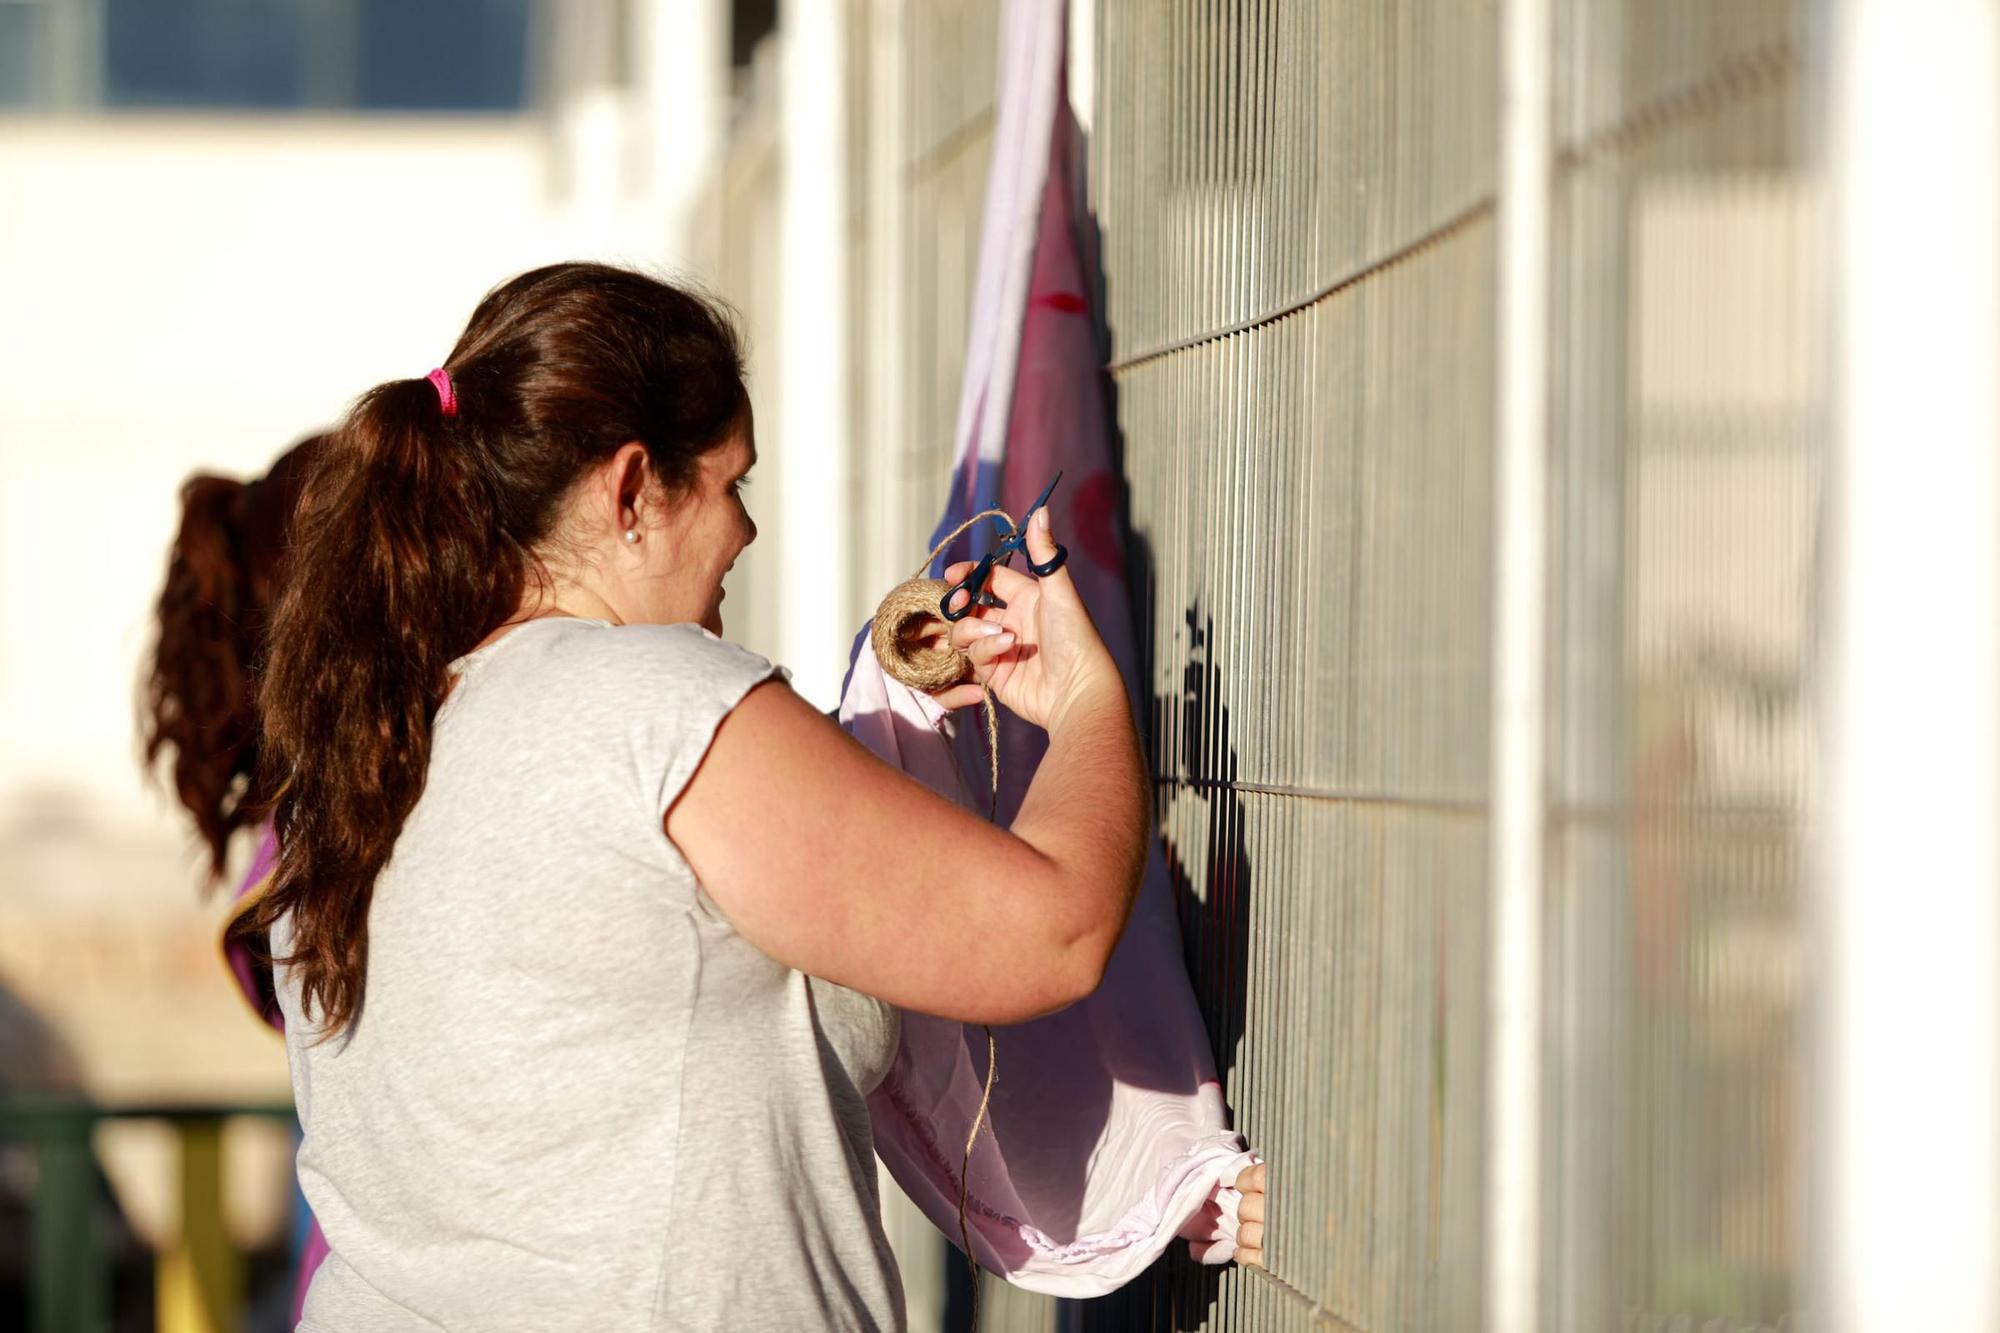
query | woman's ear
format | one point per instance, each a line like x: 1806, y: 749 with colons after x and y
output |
x: 630, y: 471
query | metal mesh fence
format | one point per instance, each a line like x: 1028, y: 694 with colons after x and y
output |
x: 1295, y: 211
x: 924, y: 75
x: 1684, y: 489
x: 1293, y: 208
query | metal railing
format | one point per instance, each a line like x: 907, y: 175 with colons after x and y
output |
x: 198, y: 1277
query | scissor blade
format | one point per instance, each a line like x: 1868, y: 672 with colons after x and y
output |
x: 1016, y: 539
x: 1041, y: 499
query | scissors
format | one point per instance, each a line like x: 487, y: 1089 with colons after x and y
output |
x: 1011, y: 540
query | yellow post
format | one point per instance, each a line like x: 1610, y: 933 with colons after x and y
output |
x: 198, y: 1285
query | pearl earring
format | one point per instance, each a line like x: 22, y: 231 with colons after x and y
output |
x: 632, y: 535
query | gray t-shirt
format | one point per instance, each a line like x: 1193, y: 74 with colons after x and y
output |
x: 575, y: 1098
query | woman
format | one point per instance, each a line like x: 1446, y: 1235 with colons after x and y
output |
x: 200, y: 710
x: 591, y: 934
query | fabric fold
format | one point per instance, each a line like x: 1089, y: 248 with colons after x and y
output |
x: 1107, y: 1136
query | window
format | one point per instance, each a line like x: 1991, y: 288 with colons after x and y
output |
x: 370, y: 55
x: 24, y: 40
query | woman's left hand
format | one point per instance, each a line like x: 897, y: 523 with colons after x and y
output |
x: 1250, y: 1217
x: 1035, y: 647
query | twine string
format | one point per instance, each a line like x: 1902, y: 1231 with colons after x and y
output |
x: 921, y: 667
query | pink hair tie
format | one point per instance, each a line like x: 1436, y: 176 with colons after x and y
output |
x: 447, y: 397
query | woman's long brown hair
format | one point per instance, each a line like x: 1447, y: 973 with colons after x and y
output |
x: 200, y: 706
x: 417, y: 538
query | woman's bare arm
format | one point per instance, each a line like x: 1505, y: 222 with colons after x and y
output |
x: 833, y: 862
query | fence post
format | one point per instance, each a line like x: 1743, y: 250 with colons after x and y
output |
x: 1520, y: 649
x: 69, y: 1292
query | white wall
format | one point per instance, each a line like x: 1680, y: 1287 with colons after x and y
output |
x: 194, y: 293
x: 197, y: 291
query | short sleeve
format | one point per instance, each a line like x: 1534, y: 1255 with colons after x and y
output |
x: 691, y: 681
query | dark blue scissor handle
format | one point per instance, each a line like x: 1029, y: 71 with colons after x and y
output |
x: 973, y: 585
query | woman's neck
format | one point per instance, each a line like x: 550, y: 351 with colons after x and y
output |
x: 561, y: 601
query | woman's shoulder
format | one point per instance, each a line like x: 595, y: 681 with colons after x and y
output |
x: 661, y: 690
x: 588, y: 655
x: 672, y: 649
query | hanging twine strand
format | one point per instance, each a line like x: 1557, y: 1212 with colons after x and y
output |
x: 965, y: 1173
x: 925, y: 667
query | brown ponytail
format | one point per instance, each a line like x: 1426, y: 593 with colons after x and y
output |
x: 418, y: 537
x: 199, y: 703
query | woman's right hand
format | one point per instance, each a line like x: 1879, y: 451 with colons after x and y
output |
x: 1039, y: 654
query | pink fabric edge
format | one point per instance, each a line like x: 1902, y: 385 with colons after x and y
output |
x: 1190, y: 1200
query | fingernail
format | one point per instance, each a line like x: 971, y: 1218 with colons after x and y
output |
x: 1042, y: 518
x: 987, y: 627
x: 1006, y: 639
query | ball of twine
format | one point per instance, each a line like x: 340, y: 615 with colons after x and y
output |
x: 917, y: 664
x: 922, y: 666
